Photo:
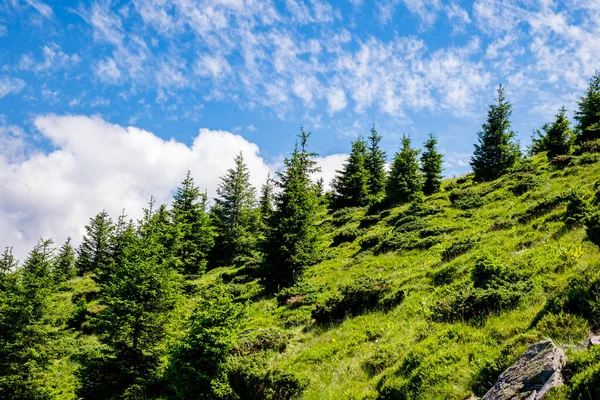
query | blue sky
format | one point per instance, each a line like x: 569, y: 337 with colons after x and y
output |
x: 75, y: 72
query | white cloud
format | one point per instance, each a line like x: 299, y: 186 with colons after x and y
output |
x: 3, y: 30
x: 98, y: 165
x: 99, y: 102
x: 336, y: 98
x: 208, y: 66
x: 10, y: 86
x: 329, y: 165
x: 42, y: 8
x: 54, y: 59
x: 108, y: 71
x: 251, y: 128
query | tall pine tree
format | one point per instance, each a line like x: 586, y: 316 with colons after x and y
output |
x: 236, y: 217
x: 64, y: 266
x: 588, y: 115
x: 266, y: 200
x: 195, y: 236
x: 496, y: 150
x: 405, y: 178
x: 375, y: 165
x: 555, y: 137
x: 292, y: 241
x: 350, y: 186
x: 94, y: 253
x: 431, y: 166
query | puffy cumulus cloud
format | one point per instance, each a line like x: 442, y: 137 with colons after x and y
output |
x: 329, y: 165
x: 97, y: 165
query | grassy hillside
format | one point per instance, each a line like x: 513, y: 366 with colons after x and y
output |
x: 419, y: 302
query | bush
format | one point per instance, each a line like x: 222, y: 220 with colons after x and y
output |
x: 437, y: 231
x: 405, y: 241
x: 584, y: 368
x: 345, y: 235
x: 466, y: 199
x: 251, y: 379
x: 588, y: 159
x: 257, y: 340
x: 524, y: 183
x: 489, y: 274
x: 444, y: 275
x: 562, y: 161
x: 303, y: 290
x: 458, y: 248
x: 581, y: 297
x: 563, y: 327
x: 343, y: 216
x: 592, y: 226
x: 382, y: 358
x: 370, y: 240
x: 592, y: 146
x: 364, y: 294
x: 410, y: 224
x: 543, y: 207
x: 368, y: 221
x: 577, y: 208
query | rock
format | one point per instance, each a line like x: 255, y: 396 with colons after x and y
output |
x: 594, y: 340
x: 536, y: 372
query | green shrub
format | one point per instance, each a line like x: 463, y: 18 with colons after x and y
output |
x: 251, y: 379
x: 368, y: 221
x: 458, y: 248
x: 584, y: 368
x: 362, y: 295
x: 488, y: 274
x: 444, y: 275
x: 382, y: 358
x: 561, y: 161
x: 466, y: 199
x: 581, y: 296
x: 587, y: 159
x: 543, y: 207
x: 258, y: 340
x: 592, y: 227
x: 345, y: 235
x: 301, y: 293
x: 524, y: 183
x: 437, y: 231
x: 370, y: 240
x: 405, y: 241
x: 409, y: 224
x: 343, y: 216
x: 577, y: 208
x: 592, y: 146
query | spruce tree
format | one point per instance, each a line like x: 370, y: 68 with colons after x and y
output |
x: 431, y: 166
x: 195, y: 236
x: 8, y: 262
x: 554, y: 137
x: 198, y: 365
x: 588, y: 115
x: 64, y: 266
x: 94, y: 253
x: 236, y: 217
x: 405, y: 178
x: 496, y: 150
x: 375, y: 165
x: 350, y: 186
x: 138, y: 300
x: 292, y: 240
x: 266, y: 200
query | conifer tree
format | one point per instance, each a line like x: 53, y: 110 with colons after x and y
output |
x: 197, y: 367
x: 431, y: 166
x: 350, y: 186
x: 236, y: 217
x: 195, y: 235
x: 588, y: 115
x: 266, y: 200
x: 554, y: 137
x: 94, y: 253
x: 138, y: 300
x: 405, y: 178
x: 375, y: 165
x: 496, y: 150
x: 292, y: 241
x: 8, y: 262
x: 64, y: 266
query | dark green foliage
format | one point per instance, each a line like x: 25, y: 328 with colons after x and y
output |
x: 496, y: 150
x: 561, y: 162
x: 458, y: 248
x: 588, y: 114
x: 431, y: 166
x: 444, y: 275
x: 299, y: 294
x: 198, y: 365
x: 94, y: 253
x: 350, y: 186
x: 584, y: 374
x: 342, y: 216
x: 195, y: 236
x: 581, y: 296
x: 64, y: 265
x: 490, y: 274
x: 555, y: 137
x: 405, y: 177
x: 370, y: 240
x: 577, y: 208
x: 368, y: 221
x: 524, y: 182
x: 265, y: 203
x: 375, y: 165
x: 466, y: 199
x: 543, y: 207
x: 406, y: 241
x: 258, y: 340
x: 410, y: 224
x: 236, y: 218
x: 345, y: 235
x: 251, y: 379
x: 591, y: 146
x: 292, y: 239
x: 592, y: 227
x: 362, y: 295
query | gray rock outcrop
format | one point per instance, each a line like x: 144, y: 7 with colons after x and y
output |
x: 532, y: 375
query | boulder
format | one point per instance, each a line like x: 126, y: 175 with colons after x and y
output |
x: 536, y: 371
x: 594, y: 340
